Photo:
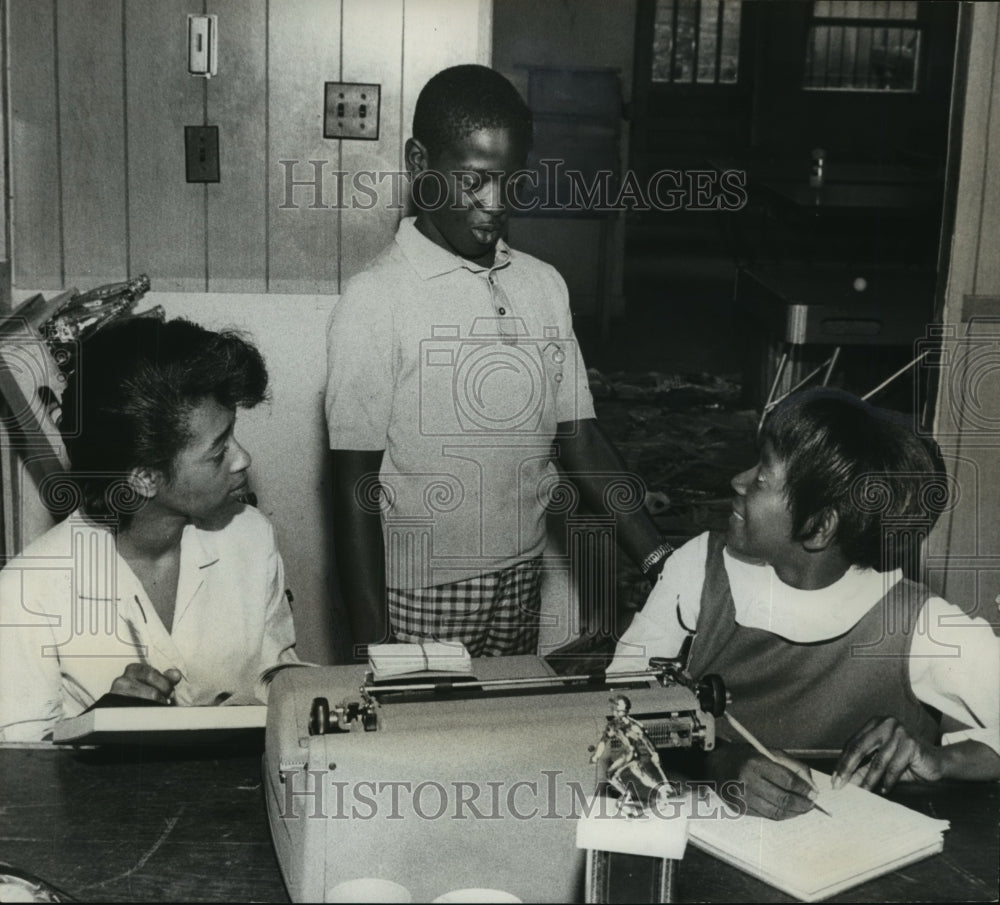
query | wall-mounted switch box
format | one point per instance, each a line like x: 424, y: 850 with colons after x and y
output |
x: 203, y: 45
x: 201, y: 153
x: 351, y: 110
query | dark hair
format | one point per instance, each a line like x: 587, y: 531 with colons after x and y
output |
x: 866, y: 463
x: 462, y: 99
x: 127, y: 403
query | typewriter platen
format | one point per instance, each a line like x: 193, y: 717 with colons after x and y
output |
x: 442, y: 782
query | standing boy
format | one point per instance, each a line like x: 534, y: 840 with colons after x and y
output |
x: 452, y: 369
x: 802, y: 608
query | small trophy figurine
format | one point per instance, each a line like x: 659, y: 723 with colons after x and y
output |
x: 637, y: 762
x: 86, y: 312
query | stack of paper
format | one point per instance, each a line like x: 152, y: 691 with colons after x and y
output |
x: 389, y: 660
x: 814, y: 856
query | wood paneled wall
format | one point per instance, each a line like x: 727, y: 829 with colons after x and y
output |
x: 100, y: 96
x: 965, y: 548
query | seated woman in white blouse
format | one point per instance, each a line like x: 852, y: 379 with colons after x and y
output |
x: 162, y: 585
x: 803, y: 610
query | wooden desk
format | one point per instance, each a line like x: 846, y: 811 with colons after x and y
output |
x: 835, y: 171
x: 859, y: 213
x: 127, y: 826
x: 107, y: 825
x: 802, y: 304
x: 797, y: 308
x: 851, y: 221
x: 855, y: 199
x: 864, y: 211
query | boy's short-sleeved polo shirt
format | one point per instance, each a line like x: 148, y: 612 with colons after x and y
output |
x: 460, y: 373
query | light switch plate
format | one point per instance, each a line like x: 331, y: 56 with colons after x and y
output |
x: 351, y: 110
x: 203, y: 45
x: 201, y: 153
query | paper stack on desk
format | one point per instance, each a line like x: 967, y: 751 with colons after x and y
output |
x: 814, y: 856
x: 390, y: 660
x: 660, y: 832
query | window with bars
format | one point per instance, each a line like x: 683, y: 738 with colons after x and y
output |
x: 863, y: 45
x: 696, y: 42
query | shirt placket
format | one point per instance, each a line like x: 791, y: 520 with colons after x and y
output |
x: 506, y: 324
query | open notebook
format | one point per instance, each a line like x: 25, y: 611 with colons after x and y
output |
x: 117, y: 719
x: 814, y: 856
x: 158, y: 723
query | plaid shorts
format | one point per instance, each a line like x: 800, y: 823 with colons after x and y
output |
x: 494, y: 614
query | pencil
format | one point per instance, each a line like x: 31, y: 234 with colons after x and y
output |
x: 133, y: 630
x: 752, y: 739
x: 142, y: 650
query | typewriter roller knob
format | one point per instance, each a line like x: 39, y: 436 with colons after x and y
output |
x: 712, y: 694
x: 319, y: 717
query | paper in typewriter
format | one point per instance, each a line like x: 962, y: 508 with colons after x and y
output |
x: 814, y: 856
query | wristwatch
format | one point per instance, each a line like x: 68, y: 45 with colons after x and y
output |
x: 653, y: 563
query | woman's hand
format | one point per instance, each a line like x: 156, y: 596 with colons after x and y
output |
x: 894, y: 754
x: 775, y: 789
x: 140, y: 680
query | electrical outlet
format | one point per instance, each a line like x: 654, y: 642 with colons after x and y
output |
x: 201, y: 153
x: 351, y: 110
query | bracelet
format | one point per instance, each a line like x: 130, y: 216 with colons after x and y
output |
x: 658, y: 555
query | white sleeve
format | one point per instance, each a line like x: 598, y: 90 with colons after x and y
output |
x: 955, y: 668
x: 278, y: 644
x: 30, y: 680
x: 670, y: 612
x: 279, y: 631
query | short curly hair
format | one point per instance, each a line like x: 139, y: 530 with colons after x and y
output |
x: 127, y: 404
x: 463, y: 99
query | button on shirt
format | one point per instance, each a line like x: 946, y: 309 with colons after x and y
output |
x: 460, y: 373
x: 74, y: 616
x: 954, y: 659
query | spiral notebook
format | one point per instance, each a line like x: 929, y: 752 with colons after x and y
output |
x: 814, y: 856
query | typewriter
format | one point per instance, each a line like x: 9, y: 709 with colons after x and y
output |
x: 442, y: 782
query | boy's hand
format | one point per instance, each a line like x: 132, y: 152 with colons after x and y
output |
x: 140, y: 680
x: 776, y: 790
x: 881, y: 753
